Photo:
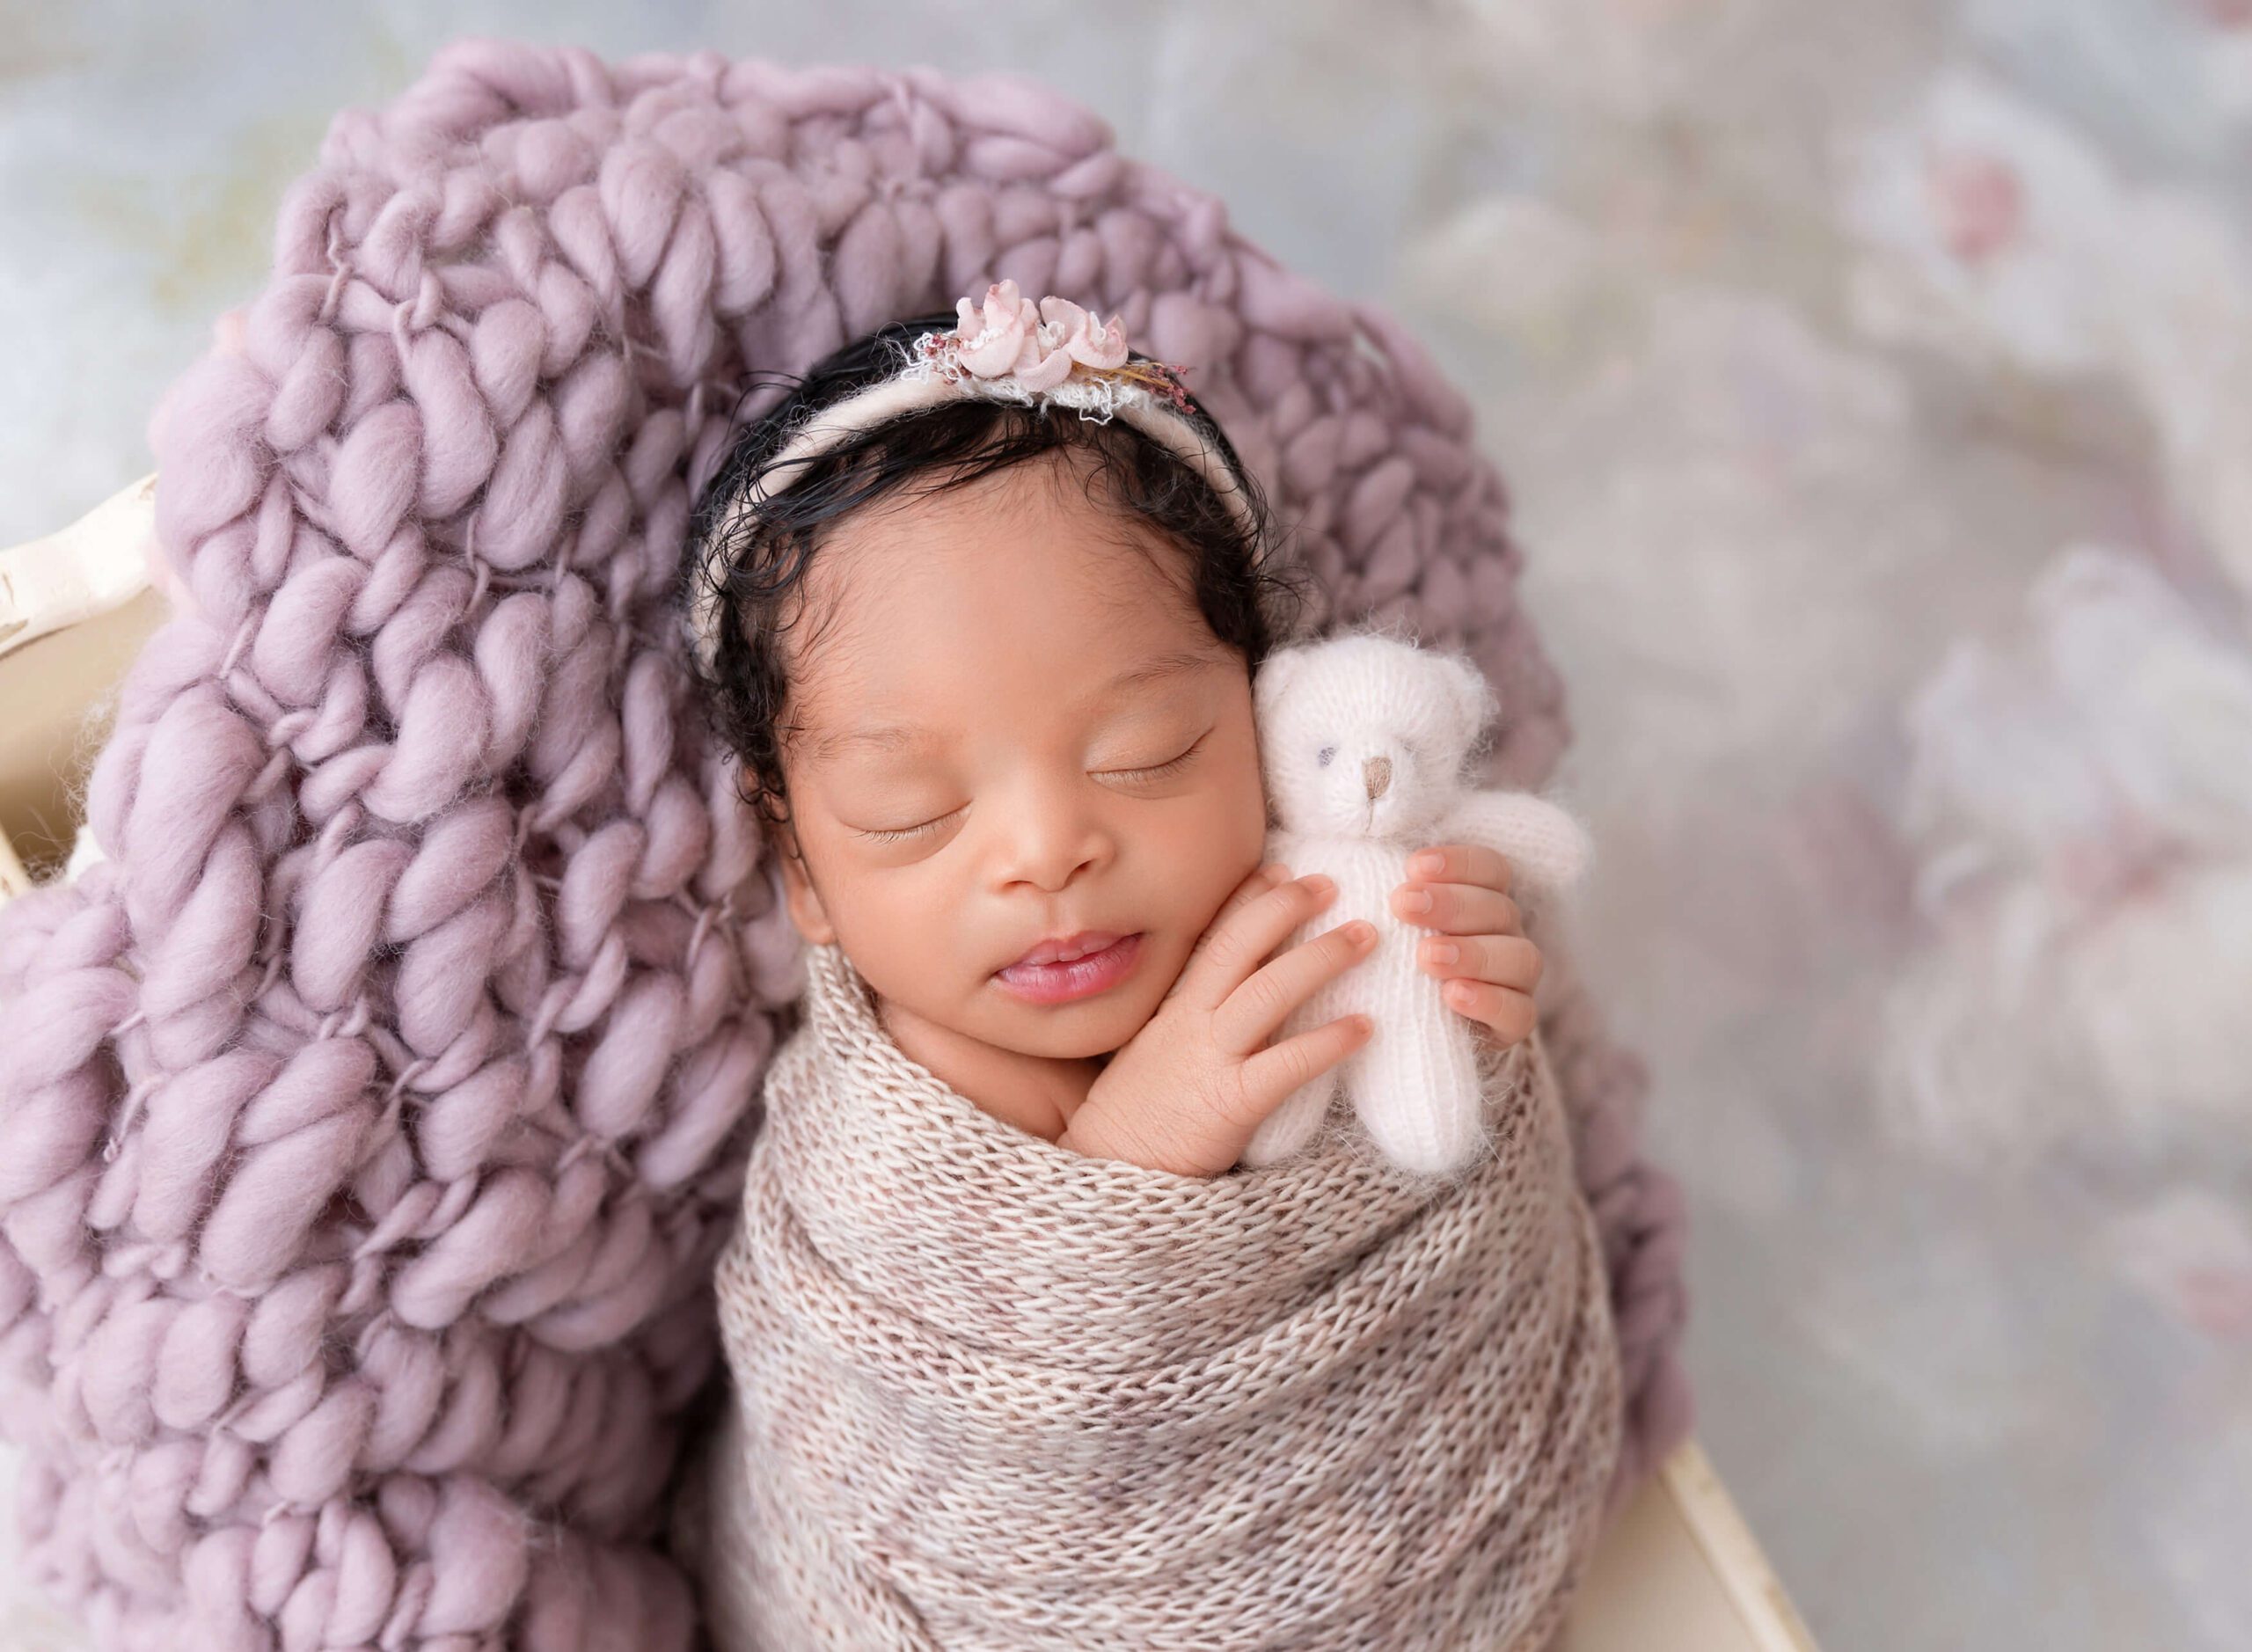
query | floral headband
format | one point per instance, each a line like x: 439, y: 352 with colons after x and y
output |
x: 1004, y: 349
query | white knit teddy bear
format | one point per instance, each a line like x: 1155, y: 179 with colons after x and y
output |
x: 1365, y: 743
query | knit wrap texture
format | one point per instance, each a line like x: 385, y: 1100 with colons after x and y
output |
x: 377, y: 1110
x: 990, y: 1394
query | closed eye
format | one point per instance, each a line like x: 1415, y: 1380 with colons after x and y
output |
x: 1160, y: 770
x: 905, y: 832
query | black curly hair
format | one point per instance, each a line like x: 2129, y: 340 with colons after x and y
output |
x: 1247, y: 593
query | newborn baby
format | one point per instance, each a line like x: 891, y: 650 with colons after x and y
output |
x: 991, y: 677
x: 989, y: 667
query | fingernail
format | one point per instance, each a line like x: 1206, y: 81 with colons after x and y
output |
x: 1414, y: 901
x: 1362, y: 932
x: 1319, y: 883
x: 1275, y: 872
x: 1444, y: 952
x: 1429, y: 865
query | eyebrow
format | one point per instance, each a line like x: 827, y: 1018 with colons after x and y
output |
x: 903, y: 737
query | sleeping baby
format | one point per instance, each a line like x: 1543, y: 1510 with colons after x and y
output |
x: 1021, y: 1353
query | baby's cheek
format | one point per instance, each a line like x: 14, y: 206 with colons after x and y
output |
x: 1239, y: 842
x: 1163, y: 953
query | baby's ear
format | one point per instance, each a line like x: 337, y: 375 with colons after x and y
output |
x: 803, y: 899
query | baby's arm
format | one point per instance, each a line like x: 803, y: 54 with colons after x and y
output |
x: 1186, y: 1091
x: 1544, y: 845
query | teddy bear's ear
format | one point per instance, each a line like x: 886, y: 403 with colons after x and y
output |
x: 1475, y: 704
x: 1275, y: 676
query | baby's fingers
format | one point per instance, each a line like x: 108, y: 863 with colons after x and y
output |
x: 1236, y: 941
x: 1274, y: 1074
x: 1256, y: 883
x: 1250, y: 1014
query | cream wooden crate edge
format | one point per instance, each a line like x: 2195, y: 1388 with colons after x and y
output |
x: 74, y: 608
x: 14, y: 880
x: 1681, y: 1572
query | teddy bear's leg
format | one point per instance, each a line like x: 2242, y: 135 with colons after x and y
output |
x: 1295, y: 1123
x: 1289, y: 1127
x: 1415, y: 1083
x: 1292, y: 1126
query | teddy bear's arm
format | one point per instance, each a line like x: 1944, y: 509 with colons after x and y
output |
x: 1544, y: 845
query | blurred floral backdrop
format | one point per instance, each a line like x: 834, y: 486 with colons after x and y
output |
x: 1875, y: 382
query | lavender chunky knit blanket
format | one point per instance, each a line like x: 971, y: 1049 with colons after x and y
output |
x: 374, y: 1113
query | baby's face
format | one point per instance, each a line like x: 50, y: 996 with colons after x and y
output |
x: 1006, y: 725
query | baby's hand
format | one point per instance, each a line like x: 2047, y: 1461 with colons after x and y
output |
x: 1186, y: 1091
x: 1481, y: 955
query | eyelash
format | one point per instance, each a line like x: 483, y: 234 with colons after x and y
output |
x: 1164, y: 769
x: 904, y: 833
x: 1158, y: 772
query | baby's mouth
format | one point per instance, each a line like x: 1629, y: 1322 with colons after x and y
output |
x: 1066, y: 980
x: 1069, y: 949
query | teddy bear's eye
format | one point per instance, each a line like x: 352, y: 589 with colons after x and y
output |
x: 1324, y: 755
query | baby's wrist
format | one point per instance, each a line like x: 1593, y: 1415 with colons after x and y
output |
x: 1098, y: 1131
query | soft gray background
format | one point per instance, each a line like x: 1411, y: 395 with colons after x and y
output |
x: 1875, y: 385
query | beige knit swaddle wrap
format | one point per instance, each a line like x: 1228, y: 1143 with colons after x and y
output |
x: 992, y: 1394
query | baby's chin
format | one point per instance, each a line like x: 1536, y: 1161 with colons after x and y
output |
x: 1069, y: 1032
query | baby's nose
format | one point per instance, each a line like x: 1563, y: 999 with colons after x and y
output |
x: 1376, y: 774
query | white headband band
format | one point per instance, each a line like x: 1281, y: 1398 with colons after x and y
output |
x: 1006, y: 349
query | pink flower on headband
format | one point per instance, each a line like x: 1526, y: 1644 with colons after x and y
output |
x: 1008, y: 335
x: 991, y: 339
x: 1104, y: 349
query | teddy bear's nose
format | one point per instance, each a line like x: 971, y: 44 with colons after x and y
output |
x: 1376, y: 774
